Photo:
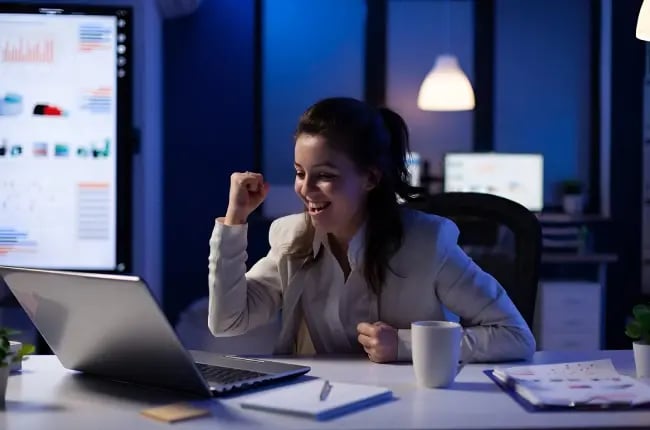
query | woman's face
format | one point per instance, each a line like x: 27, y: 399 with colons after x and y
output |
x: 331, y: 187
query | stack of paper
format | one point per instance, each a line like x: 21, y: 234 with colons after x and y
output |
x: 587, y: 383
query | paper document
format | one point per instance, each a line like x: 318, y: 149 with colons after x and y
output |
x: 586, y: 383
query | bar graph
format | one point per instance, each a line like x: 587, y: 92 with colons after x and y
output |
x: 94, y: 206
x: 13, y: 240
x: 25, y: 51
x: 98, y: 100
x: 95, y: 37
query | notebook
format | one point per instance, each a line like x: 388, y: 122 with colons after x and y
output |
x: 304, y: 399
x: 575, y: 385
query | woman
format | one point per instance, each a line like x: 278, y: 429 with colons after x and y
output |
x: 353, y: 271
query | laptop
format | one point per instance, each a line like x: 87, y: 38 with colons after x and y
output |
x: 111, y: 326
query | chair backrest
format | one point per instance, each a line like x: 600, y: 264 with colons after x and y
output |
x: 482, y: 219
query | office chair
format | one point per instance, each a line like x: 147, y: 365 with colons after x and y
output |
x: 484, y: 219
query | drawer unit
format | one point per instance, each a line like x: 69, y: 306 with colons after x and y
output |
x: 569, y: 315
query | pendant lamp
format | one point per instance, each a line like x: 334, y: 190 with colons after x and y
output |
x: 643, y: 22
x: 446, y: 87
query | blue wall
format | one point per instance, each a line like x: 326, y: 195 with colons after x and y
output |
x: 417, y: 32
x: 312, y: 49
x: 208, y: 133
x: 542, y: 85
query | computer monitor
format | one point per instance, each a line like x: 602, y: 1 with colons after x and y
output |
x: 65, y: 136
x: 414, y: 166
x: 518, y: 177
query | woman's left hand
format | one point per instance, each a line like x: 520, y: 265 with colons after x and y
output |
x: 379, y: 340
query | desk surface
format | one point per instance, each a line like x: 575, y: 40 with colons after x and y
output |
x: 49, y: 397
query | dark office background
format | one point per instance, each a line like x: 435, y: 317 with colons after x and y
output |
x: 545, y: 98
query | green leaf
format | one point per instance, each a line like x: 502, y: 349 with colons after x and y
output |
x: 5, y: 347
x: 641, y: 311
x: 27, y: 349
x: 644, y: 320
x: 633, y: 329
x: 6, y: 332
x: 24, y: 350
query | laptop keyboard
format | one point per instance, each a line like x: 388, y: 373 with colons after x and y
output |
x: 226, y: 375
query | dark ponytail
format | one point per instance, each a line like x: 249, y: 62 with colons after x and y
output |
x: 373, y: 138
x: 399, y: 149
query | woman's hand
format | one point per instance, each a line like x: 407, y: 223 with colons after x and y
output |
x: 247, y: 191
x: 379, y: 340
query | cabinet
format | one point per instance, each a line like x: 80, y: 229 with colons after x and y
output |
x: 568, y: 315
x: 569, y: 312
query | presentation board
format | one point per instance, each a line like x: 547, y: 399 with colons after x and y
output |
x: 65, y: 135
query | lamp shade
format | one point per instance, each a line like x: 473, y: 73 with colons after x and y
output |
x: 643, y: 22
x: 446, y: 87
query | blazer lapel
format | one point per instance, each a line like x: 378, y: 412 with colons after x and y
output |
x: 291, y: 312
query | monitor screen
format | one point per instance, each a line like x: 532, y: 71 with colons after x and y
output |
x: 518, y: 177
x: 414, y: 166
x: 64, y: 116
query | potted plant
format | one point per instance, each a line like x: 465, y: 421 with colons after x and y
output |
x: 572, y: 196
x: 638, y: 328
x: 8, y: 356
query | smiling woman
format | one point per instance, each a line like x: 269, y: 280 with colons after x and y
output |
x: 331, y: 188
x: 352, y: 158
x: 353, y: 271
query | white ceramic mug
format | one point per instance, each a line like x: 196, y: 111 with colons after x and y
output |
x: 435, y: 349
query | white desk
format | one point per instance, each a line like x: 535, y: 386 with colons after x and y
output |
x: 46, y: 396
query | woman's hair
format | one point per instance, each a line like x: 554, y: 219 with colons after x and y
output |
x: 373, y: 138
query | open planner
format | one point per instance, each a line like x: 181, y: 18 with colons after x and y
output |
x: 577, y: 385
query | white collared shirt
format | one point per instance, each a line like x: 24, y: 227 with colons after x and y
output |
x: 342, y: 304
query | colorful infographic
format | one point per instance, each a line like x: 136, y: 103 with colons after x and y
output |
x: 58, y: 128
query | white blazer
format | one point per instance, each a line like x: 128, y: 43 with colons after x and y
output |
x: 437, y: 281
